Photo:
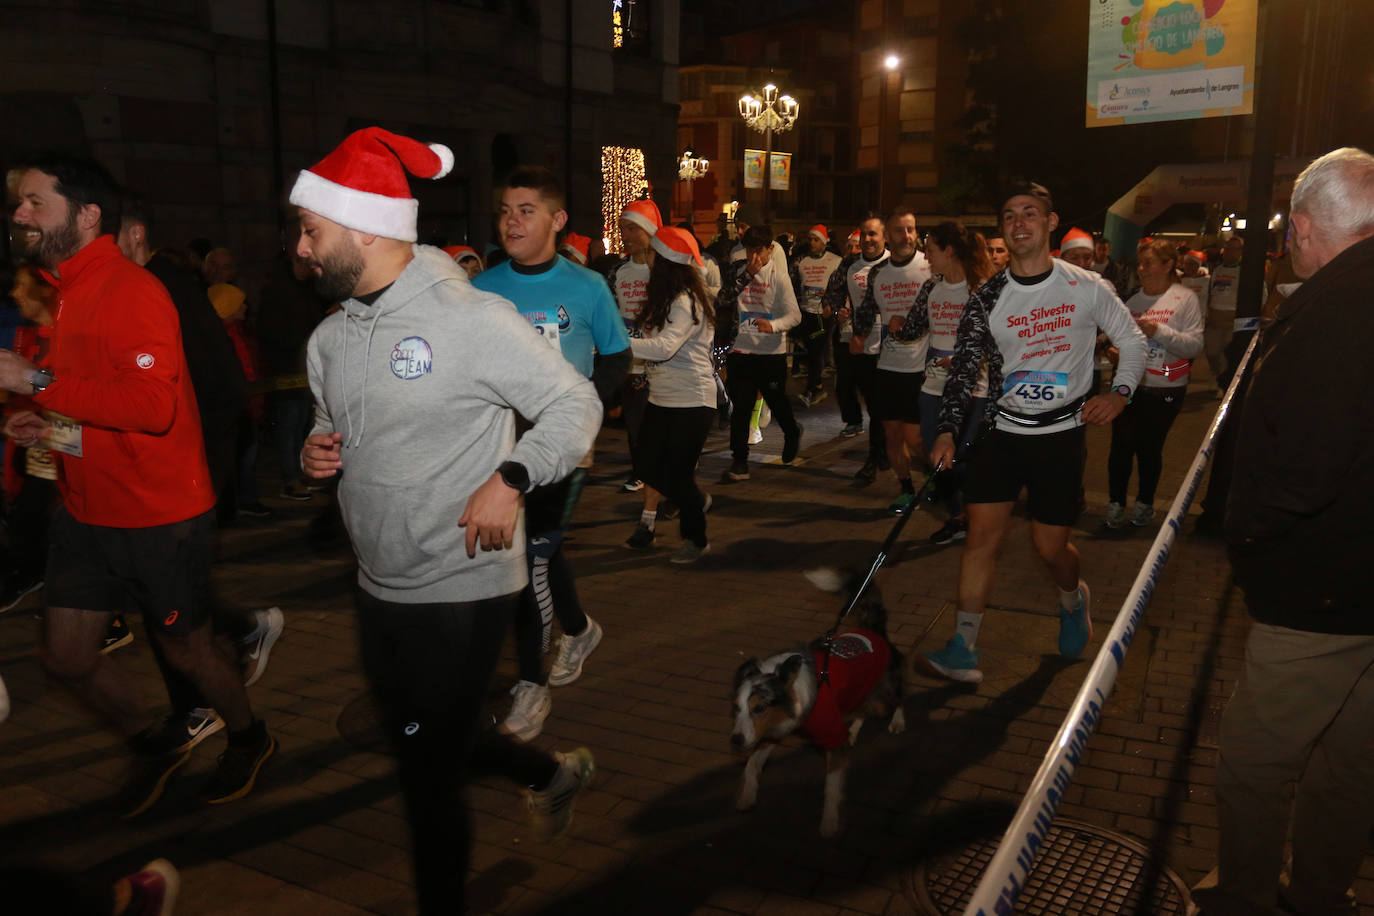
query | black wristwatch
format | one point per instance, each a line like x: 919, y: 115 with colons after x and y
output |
x: 515, y: 475
x: 40, y: 379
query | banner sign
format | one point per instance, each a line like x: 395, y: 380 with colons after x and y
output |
x: 1169, y: 60
x: 781, y: 177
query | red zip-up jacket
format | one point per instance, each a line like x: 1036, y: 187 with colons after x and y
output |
x: 120, y: 372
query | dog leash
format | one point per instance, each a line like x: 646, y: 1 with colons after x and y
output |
x: 922, y: 495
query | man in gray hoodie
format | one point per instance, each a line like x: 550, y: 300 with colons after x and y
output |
x: 417, y: 380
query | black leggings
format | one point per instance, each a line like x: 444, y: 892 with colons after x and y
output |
x: 747, y: 376
x: 552, y: 590
x: 1138, y: 433
x: 855, y: 375
x: 669, y: 448
x: 430, y: 666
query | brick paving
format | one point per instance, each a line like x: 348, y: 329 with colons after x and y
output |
x: 325, y: 834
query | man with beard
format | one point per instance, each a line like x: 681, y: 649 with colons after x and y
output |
x: 417, y: 380
x: 137, y: 513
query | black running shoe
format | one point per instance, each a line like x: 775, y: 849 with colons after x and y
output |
x: 791, y: 445
x: 149, y: 780
x: 238, y: 770
x: 868, y: 473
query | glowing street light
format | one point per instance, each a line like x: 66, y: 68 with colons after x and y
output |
x: 770, y: 113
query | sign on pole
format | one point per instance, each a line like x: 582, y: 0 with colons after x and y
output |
x: 781, y: 177
x: 1169, y: 60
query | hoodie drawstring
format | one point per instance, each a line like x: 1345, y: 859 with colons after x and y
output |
x: 356, y: 438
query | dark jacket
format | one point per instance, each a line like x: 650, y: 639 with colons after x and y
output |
x: 1300, y: 518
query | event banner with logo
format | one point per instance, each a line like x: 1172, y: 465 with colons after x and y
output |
x: 779, y: 180
x: 1168, y: 60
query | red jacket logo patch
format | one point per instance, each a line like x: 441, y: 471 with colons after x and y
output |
x: 145, y: 360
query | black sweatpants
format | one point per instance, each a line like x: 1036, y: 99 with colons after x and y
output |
x: 430, y: 666
x: 854, y: 376
x: 669, y: 449
x: 1138, y: 435
x: 747, y: 376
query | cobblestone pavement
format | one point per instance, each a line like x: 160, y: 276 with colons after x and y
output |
x: 324, y: 833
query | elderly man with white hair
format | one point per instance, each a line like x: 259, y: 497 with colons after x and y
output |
x: 1300, y: 531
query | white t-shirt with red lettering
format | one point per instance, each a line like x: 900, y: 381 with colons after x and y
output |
x: 894, y: 289
x: 815, y: 274
x: 945, y: 307
x: 856, y: 281
x: 1177, y: 339
x: 631, y: 288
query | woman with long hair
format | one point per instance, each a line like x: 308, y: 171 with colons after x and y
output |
x: 959, y: 264
x: 674, y: 332
x: 1169, y: 315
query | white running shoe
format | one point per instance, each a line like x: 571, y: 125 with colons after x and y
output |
x: 551, y: 808
x: 1116, y: 513
x: 257, y: 645
x: 528, y: 712
x: 572, y: 652
x: 1143, y: 514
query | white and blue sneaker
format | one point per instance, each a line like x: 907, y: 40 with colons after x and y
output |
x: 955, y: 661
x: 1076, y: 625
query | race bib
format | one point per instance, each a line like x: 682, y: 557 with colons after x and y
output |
x: 549, y: 329
x: 747, y: 319
x: 64, y: 435
x: 1035, y: 392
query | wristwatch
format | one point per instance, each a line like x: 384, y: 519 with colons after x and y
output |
x: 515, y: 475
x: 40, y: 379
x: 1124, y: 391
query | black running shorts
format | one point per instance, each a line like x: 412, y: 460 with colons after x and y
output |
x: 164, y: 571
x: 1049, y: 467
x: 898, y: 395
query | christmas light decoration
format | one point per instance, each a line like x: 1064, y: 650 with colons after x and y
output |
x: 622, y: 180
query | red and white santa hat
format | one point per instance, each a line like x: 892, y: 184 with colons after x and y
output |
x: 1076, y: 238
x: 1195, y: 256
x: 677, y: 245
x: 644, y: 214
x: 461, y: 253
x: 576, y: 247
x: 854, y: 236
x: 362, y: 184
x: 820, y: 232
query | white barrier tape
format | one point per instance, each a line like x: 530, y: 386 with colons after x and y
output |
x: 1015, y: 857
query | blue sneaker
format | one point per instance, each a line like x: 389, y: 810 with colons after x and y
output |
x: 955, y: 661
x: 1076, y: 626
x: 902, y: 504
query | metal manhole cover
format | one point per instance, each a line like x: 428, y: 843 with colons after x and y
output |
x: 1082, y: 869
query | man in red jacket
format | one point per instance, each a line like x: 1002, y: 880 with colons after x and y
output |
x: 136, y: 519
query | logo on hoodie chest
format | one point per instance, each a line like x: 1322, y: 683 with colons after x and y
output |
x: 411, y: 358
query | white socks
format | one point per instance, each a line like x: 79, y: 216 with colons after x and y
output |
x: 646, y: 518
x: 966, y: 625
x: 1068, y: 599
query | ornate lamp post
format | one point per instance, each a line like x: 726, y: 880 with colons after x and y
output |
x: 770, y: 113
x: 689, y: 168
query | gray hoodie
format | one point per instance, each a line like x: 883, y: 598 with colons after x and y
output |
x: 424, y: 385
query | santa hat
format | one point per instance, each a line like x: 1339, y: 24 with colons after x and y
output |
x: 362, y: 184
x: 854, y: 236
x: 576, y: 246
x: 460, y: 252
x: 1076, y: 238
x: 820, y: 233
x: 1196, y: 256
x: 677, y: 245
x: 644, y: 214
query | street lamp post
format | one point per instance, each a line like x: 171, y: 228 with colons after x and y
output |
x: 689, y: 168
x: 770, y: 113
x: 890, y: 64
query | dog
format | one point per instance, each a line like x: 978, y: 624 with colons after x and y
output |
x: 785, y: 694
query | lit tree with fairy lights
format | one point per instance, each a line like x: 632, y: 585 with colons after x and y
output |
x: 622, y: 180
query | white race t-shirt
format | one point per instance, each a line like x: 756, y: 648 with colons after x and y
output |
x: 856, y: 281
x: 945, y: 307
x: 631, y: 288
x: 815, y: 274
x: 1177, y: 339
x: 1046, y: 333
x: 894, y: 289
